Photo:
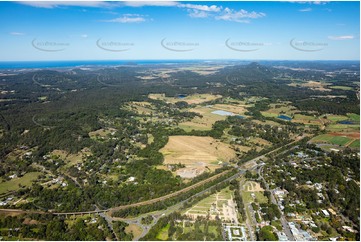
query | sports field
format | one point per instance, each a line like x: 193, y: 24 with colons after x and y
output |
x: 355, y: 144
x: 342, y: 139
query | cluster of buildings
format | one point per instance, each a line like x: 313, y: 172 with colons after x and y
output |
x: 280, y: 194
x: 234, y: 232
x: 299, y: 234
x: 6, y: 202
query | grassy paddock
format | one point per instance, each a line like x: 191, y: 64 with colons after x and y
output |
x: 13, y: 184
x: 346, y: 88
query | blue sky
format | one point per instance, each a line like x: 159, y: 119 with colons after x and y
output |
x: 179, y: 30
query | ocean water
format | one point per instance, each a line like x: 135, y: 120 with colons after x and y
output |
x: 86, y: 63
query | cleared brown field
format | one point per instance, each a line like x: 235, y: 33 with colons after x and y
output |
x: 260, y: 141
x: 196, y: 153
x: 354, y: 135
x: 134, y: 229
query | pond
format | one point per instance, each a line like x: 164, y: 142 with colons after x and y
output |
x: 284, y: 117
x: 182, y: 95
x: 346, y: 122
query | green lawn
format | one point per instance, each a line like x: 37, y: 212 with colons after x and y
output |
x: 336, y: 118
x: 203, y: 206
x: 355, y: 144
x: 270, y: 115
x: 163, y: 233
x: 226, y: 193
x: 247, y: 198
x: 354, y: 117
x: 304, y: 117
x: 342, y: 88
x: 343, y: 127
x: 327, y: 138
x: 13, y: 184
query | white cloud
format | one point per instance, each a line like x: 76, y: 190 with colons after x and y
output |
x: 150, y: 3
x: 84, y: 36
x: 16, y: 33
x: 319, y: 2
x: 128, y: 18
x: 56, y: 4
x: 194, y: 10
x: 341, y: 37
x: 305, y: 10
x: 311, y: 2
x: 212, y: 8
x: 241, y: 16
x: 194, y: 13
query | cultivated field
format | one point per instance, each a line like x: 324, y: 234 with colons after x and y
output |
x: 197, y: 153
